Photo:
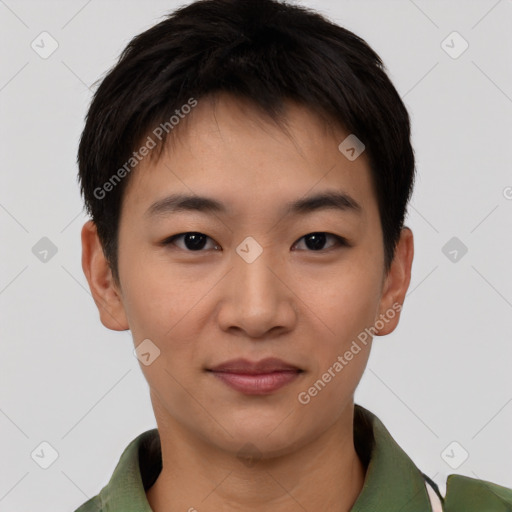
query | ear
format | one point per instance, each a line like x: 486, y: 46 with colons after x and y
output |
x: 396, y: 284
x: 105, y: 291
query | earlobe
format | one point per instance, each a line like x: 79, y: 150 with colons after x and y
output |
x: 104, y: 290
x: 396, y: 284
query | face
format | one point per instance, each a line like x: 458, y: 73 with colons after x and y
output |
x: 255, y: 277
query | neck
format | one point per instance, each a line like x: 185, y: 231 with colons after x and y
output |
x: 324, y: 474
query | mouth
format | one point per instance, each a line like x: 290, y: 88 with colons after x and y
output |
x: 256, y: 378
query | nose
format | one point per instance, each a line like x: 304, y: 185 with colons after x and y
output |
x: 257, y: 298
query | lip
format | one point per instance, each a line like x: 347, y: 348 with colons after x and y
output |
x: 268, y: 365
x: 256, y: 378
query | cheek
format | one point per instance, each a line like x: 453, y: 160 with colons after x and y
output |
x: 346, y: 303
x: 341, y: 354
x: 156, y: 298
x: 163, y: 308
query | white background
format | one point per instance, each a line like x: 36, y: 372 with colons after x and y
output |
x: 444, y: 375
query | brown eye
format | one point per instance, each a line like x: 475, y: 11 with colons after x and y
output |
x: 316, y: 241
x: 192, y: 241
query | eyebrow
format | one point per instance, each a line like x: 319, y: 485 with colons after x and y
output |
x: 332, y: 200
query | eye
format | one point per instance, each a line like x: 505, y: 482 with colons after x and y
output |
x: 196, y: 242
x: 315, y: 241
x: 193, y: 241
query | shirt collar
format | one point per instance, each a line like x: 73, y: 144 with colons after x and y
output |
x: 392, y: 480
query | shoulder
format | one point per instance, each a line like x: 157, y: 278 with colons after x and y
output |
x: 137, y: 469
x: 92, y: 505
x: 465, y: 494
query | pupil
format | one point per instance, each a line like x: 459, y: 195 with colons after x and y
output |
x: 318, y: 240
x: 197, y: 241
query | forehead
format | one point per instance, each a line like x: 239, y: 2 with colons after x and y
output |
x: 231, y: 151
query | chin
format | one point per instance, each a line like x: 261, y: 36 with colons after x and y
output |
x: 268, y: 436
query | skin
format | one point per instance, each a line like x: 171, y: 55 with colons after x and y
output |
x: 293, y: 302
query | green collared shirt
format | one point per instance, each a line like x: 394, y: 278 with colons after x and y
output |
x: 392, y: 483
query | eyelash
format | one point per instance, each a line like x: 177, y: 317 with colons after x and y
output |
x: 341, y: 242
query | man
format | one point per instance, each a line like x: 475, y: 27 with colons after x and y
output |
x: 247, y: 167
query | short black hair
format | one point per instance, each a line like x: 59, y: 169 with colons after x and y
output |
x: 265, y: 51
